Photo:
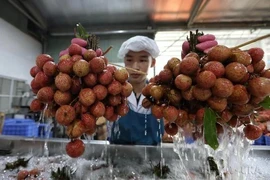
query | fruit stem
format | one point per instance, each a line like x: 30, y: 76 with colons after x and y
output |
x: 193, y: 41
x: 129, y: 68
x: 75, y: 99
x: 107, y: 50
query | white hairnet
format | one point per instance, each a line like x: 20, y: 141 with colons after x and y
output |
x: 139, y: 43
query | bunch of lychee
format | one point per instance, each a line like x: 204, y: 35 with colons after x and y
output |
x: 79, y: 89
x: 231, y: 82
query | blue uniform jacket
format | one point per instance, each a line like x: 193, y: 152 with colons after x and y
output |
x: 138, y: 127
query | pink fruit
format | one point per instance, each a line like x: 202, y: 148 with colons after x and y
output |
x: 111, y: 68
x: 259, y: 66
x: 99, y: 52
x: 79, y: 41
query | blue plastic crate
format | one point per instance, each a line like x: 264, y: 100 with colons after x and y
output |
x: 44, y: 130
x: 20, y: 127
x: 260, y: 141
x: 267, y: 140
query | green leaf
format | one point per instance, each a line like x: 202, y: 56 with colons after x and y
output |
x: 210, y: 131
x: 81, y: 32
x: 266, y: 103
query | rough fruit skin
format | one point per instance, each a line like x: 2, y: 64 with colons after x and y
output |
x: 259, y: 66
x: 173, y: 62
x: 65, y: 66
x: 42, y: 59
x: 89, y: 54
x: 88, y: 121
x: 62, y: 98
x: 75, y: 148
x: 183, y: 82
x: 121, y: 75
x: 50, y: 68
x: 109, y: 111
x: 165, y: 76
x: 105, y: 77
x: 235, y: 71
x: 100, y: 91
x: 240, y: 95
x: 156, y: 92
x: 75, y: 86
x: 45, y: 94
x: 241, y: 57
x: 90, y: 79
x: 216, y: 67
x: 65, y: 115
x: 171, y: 129
x: 115, y: 88
x: 36, y: 105
x: 256, y: 54
x: 206, y: 79
x: 252, y: 132
x: 157, y: 111
x: 87, y: 96
x: 41, y: 79
x: 259, y: 87
x: 127, y: 89
x: 75, y: 129
x: 122, y: 109
x: 74, y: 49
x: 182, y: 118
x: 242, y: 110
x: 217, y: 104
x: 34, y: 70
x: 201, y: 94
x: 97, y: 65
x: 114, y: 100
x: 81, y: 68
x: 146, y: 103
x: 170, y: 113
x: 222, y: 88
x: 199, y: 117
x: 97, y: 109
x: 219, y: 53
x: 189, y: 66
x: 63, y: 82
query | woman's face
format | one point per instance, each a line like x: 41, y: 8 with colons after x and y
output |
x: 141, y: 61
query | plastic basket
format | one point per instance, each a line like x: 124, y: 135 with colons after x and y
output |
x: 260, y: 141
x: 44, y: 131
x: 267, y: 140
x: 20, y: 127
